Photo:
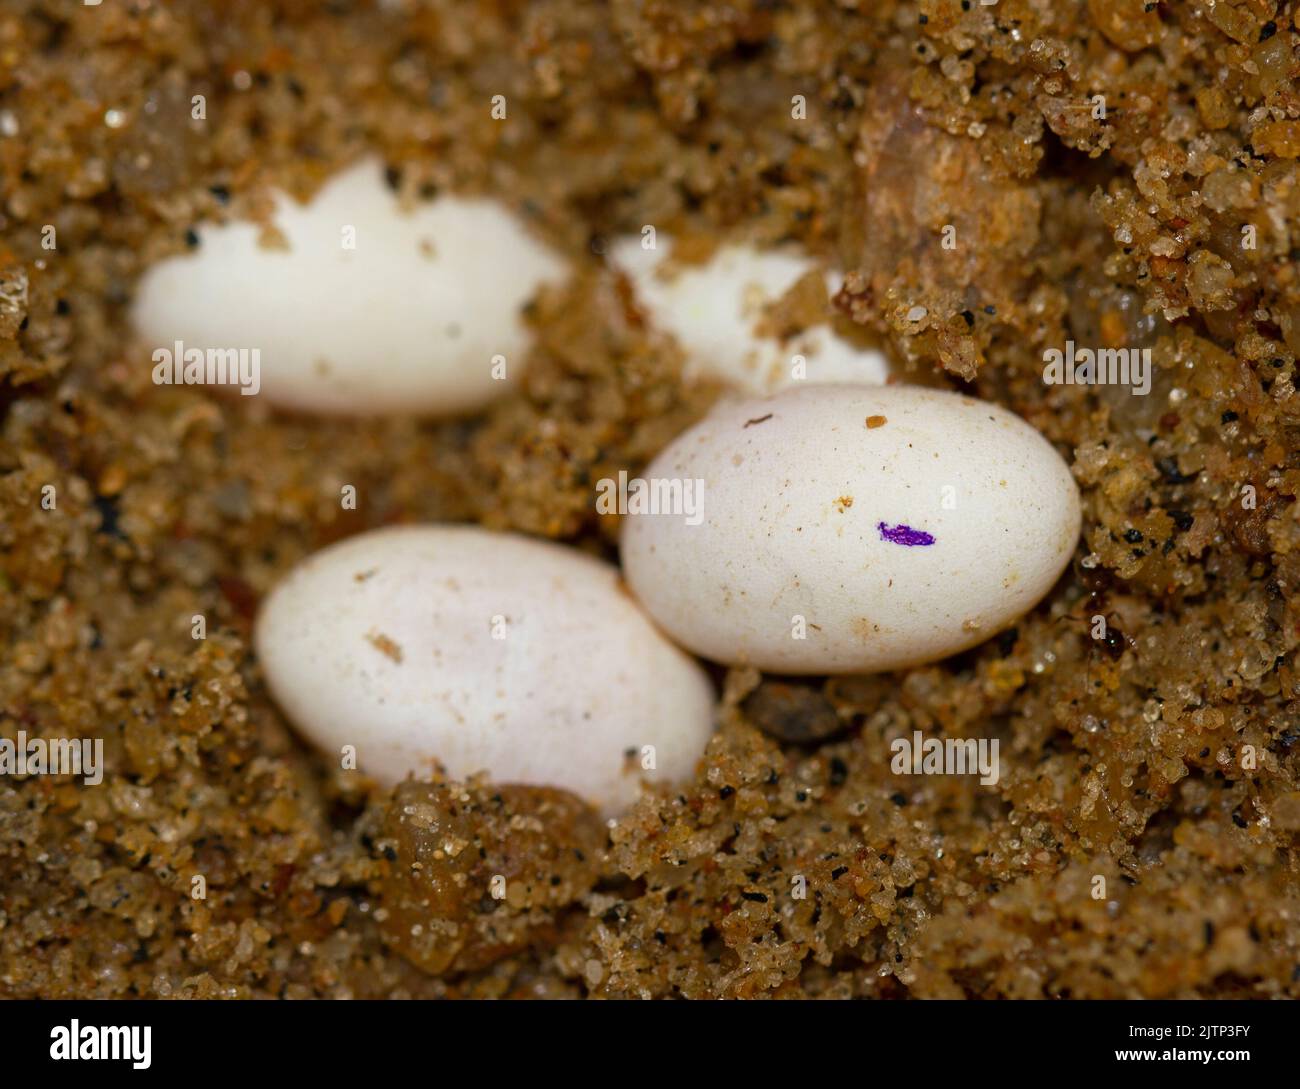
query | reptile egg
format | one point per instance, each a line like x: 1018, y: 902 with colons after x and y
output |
x: 484, y: 651
x: 846, y: 529
x: 716, y: 313
x: 364, y: 309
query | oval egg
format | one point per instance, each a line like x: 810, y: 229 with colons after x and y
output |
x: 715, y: 311
x: 365, y: 309
x: 846, y: 529
x: 484, y: 651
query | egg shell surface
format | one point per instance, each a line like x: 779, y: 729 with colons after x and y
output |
x: 847, y: 529
x: 371, y: 309
x: 714, y: 311
x: 487, y: 652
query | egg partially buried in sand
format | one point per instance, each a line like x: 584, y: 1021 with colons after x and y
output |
x: 487, y: 652
x: 716, y: 310
x: 844, y: 529
x: 368, y: 309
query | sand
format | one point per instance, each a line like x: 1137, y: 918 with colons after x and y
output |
x: 1160, y: 759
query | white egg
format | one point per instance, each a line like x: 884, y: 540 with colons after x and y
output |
x: 845, y: 529
x: 485, y: 651
x: 714, y: 311
x: 370, y: 309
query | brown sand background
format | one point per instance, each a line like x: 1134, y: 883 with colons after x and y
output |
x: 1121, y: 759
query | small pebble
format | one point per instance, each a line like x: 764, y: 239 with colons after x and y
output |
x: 369, y: 310
x: 794, y: 713
x: 488, y: 652
x: 822, y: 546
x: 714, y: 311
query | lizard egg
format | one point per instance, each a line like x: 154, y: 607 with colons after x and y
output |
x: 847, y: 529
x: 365, y: 309
x: 484, y: 651
x: 715, y: 312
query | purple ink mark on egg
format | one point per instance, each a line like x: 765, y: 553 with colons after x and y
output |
x: 904, y: 535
